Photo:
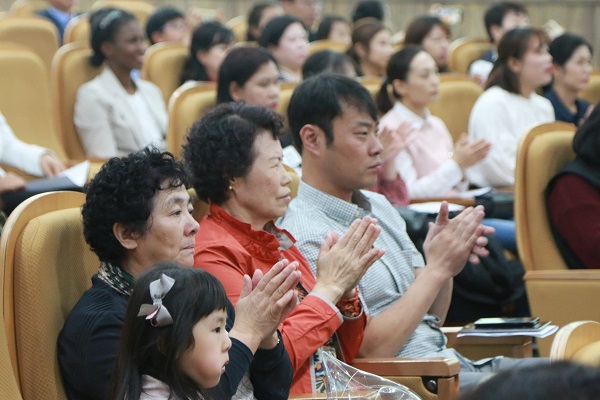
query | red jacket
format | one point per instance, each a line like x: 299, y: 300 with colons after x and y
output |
x: 229, y: 248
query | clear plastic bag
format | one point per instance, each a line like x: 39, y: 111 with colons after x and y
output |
x: 346, y: 382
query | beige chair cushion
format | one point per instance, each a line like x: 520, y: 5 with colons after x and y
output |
x: 163, y: 65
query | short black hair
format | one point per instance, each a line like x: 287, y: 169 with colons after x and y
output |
x: 239, y: 66
x: 320, y: 99
x: 156, y: 351
x: 206, y: 36
x: 586, y: 142
x: 496, y: 12
x: 219, y: 146
x: 562, y: 47
x: 105, y: 23
x: 326, y: 61
x: 159, y: 18
x: 123, y: 192
x: 368, y: 9
x: 271, y: 34
x: 327, y: 23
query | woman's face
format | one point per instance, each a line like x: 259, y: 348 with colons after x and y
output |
x: 422, y: 85
x: 535, y: 68
x: 292, y: 50
x: 575, y: 73
x: 380, y: 49
x: 341, y: 32
x: 213, y: 58
x: 436, y: 43
x: 262, y: 89
x: 263, y: 194
x: 170, y: 235
x: 127, y: 49
x: 205, y: 361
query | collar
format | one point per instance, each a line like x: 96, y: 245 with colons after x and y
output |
x: 416, y: 120
x: 335, y: 208
x: 265, y: 243
x: 112, y: 82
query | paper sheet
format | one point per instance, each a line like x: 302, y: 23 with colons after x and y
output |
x: 77, y: 174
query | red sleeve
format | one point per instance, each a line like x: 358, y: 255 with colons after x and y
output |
x: 351, y: 335
x: 574, y: 208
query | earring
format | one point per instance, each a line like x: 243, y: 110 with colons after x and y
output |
x: 230, y: 187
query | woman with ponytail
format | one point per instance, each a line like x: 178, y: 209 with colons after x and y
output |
x: 116, y: 114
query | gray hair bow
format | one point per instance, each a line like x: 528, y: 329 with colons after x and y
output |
x: 158, y: 314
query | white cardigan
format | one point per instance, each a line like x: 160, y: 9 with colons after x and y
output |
x: 19, y: 154
x: 502, y: 118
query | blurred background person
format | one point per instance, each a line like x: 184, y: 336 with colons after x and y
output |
x: 335, y: 28
x: 258, y: 17
x: 286, y: 38
x: 371, y: 47
x: 308, y: 11
x: 328, y: 61
x: 433, y: 35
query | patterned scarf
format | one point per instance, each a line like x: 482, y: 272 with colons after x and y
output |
x: 116, y: 277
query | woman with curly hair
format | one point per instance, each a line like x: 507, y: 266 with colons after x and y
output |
x: 138, y: 213
x: 236, y: 159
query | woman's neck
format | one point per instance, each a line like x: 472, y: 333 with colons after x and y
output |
x: 234, y: 209
x: 417, y: 109
x: 567, y: 95
x: 124, y: 77
x: 368, y: 68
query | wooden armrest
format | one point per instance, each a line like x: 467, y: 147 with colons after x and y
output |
x: 463, y: 201
x: 408, y: 366
x: 560, y: 274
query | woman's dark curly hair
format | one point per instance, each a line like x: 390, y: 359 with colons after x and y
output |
x: 123, y: 192
x: 219, y: 146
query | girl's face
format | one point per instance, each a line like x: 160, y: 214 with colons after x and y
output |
x: 436, y: 43
x: 127, y: 48
x: 205, y: 361
x: 292, y: 50
x: 213, y: 58
x: 575, y: 73
x: 534, y: 70
x: 380, y: 49
x: 262, y: 89
x: 422, y: 85
x: 341, y: 32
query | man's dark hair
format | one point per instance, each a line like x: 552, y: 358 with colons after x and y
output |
x: 159, y: 18
x: 496, y: 12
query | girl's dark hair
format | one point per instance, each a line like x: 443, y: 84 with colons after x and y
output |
x: 254, y: 17
x: 562, y: 48
x: 148, y: 350
x: 239, y: 66
x: 363, y: 34
x: 105, y: 23
x: 398, y: 68
x: 219, y: 146
x: 326, y: 24
x: 326, y: 61
x: 206, y: 36
x: 271, y: 34
x: 514, y: 44
x: 368, y: 9
x: 586, y: 142
x: 420, y: 27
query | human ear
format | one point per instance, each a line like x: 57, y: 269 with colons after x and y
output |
x: 399, y: 87
x: 360, y: 50
x: 126, y: 236
x: 514, y: 65
x: 312, y: 138
x: 235, y: 91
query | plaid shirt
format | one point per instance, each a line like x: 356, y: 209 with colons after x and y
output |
x: 313, y: 214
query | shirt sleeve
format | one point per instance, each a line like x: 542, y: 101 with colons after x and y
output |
x: 17, y: 153
x: 271, y: 373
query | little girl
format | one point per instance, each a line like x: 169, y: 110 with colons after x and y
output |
x: 174, y: 344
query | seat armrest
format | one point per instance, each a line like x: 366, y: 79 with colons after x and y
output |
x: 408, y: 366
x: 566, y: 275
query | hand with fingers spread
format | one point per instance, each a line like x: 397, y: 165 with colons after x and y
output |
x: 468, y: 153
x: 343, y: 262
x: 264, y: 303
x: 450, y: 242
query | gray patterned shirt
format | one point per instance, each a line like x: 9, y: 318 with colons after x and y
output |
x: 313, y: 214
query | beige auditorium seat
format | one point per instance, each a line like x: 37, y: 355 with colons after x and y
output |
x: 27, y: 8
x: 592, y: 93
x: 37, y: 34
x: 464, y: 51
x: 326, y: 44
x: 141, y: 9
x: 555, y: 293
x: 77, y: 30
x: 163, y: 65
x: 578, y: 342
x: 47, y: 267
x: 239, y: 27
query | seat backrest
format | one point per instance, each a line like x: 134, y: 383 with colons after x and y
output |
x: 464, y: 51
x: 77, y: 30
x: 48, y: 266
x: 163, y: 65
x: 371, y: 83
x: 592, y: 93
x: 457, y: 97
x: 141, y: 9
x: 26, y: 8
x: 38, y: 34
x: 239, y: 27
x: 25, y: 100
x: 577, y: 341
x: 542, y: 152
x: 286, y: 90
x: 326, y: 44
x: 187, y: 104
x: 70, y: 70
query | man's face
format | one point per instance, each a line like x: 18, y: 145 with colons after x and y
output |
x: 307, y: 10
x: 511, y: 20
x: 63, y: 5
x: 353, y: 160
